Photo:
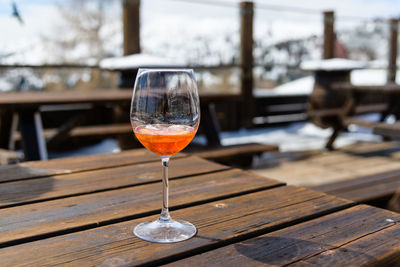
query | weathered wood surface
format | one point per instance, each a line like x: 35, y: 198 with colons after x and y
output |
x: 86, y: 217
x: 219, y: 223
x: 88, y: 211
x: 33, y: 169
x: 220, y: 152
x: 357, y: 236
x: 57, y: 186
x: 364, y: 189
x: 350, y: 162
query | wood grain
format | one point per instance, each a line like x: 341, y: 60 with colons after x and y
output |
x: 366, y: 188
x: 34, y: 169
x: 345, y: 164
x: 57, y: 186
x: 88, y: 211
x: 229, y: 151
x: 353, y: 237
x: 219, y: 223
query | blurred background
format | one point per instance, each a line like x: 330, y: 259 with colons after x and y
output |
x: 50, y: 45
x: 194, y: 32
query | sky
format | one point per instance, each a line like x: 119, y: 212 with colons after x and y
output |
x: 174, y: 19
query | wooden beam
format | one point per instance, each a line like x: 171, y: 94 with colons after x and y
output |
x: 247, y: 62
x: 131, y: 25
x: 329, y: 34
x: 392, y: 67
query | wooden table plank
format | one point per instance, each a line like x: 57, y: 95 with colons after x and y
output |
x: 46, y: 188
x: 388, y: 130
x: 71, y: 214
x: 36, y: 99
x: 368, y: 194
x: 98, y: 97
x: 33, y: 169
x: 366, y: 188
x: 353, y: 237
x: 219, y: 223
x: 390, y: 88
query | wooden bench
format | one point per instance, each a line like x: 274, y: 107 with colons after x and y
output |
x: 388, y: 130
x: 29, y: 107
x: 95, y: 132
x: 374, y: 189
x: 9, y: 157
x: 236, y: 155
x: 240, y: 155
x: 276, y: 109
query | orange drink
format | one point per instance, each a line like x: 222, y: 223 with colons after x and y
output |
x: 164, y: 139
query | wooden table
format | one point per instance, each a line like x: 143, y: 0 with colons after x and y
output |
x: 390, y: 107
x: 81, y: 212
x: 28, y: 106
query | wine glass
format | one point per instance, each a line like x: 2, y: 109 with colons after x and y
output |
x: 165, y: 116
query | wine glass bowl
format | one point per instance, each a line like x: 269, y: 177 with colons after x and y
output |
x: 165, y: 116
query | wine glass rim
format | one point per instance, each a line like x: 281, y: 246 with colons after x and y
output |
x: 165, y: 69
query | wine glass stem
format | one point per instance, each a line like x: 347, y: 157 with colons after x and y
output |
x: 164, y: 211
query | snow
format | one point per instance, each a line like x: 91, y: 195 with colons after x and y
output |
x: 333, y: 64
x: 371, y: 77
x: 6, y: 85
x: 139, y: 60
x: 302, y: 86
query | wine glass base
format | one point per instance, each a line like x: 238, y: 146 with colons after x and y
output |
x: 165, y: 232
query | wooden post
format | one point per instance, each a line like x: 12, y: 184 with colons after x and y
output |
x: 246, y: 56
x: 131, y: 43
x: 329, y: 34
x: 131, y: 25
x: 392, y: 67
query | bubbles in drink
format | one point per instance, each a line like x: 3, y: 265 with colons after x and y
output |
x: 163, y: 129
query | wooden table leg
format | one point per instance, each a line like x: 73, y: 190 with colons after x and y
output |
x: 332, y: 138
x: 5, y: 129
x: 33, y: 141
x: 210, y: 124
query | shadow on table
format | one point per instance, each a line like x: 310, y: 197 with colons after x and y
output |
x: 25, y: 190
x: 282, y: 251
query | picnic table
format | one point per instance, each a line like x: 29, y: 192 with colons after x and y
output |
x: 335, y: 101
x: 81, y: 211
x: 352, y: 106
x: 29, y: 105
